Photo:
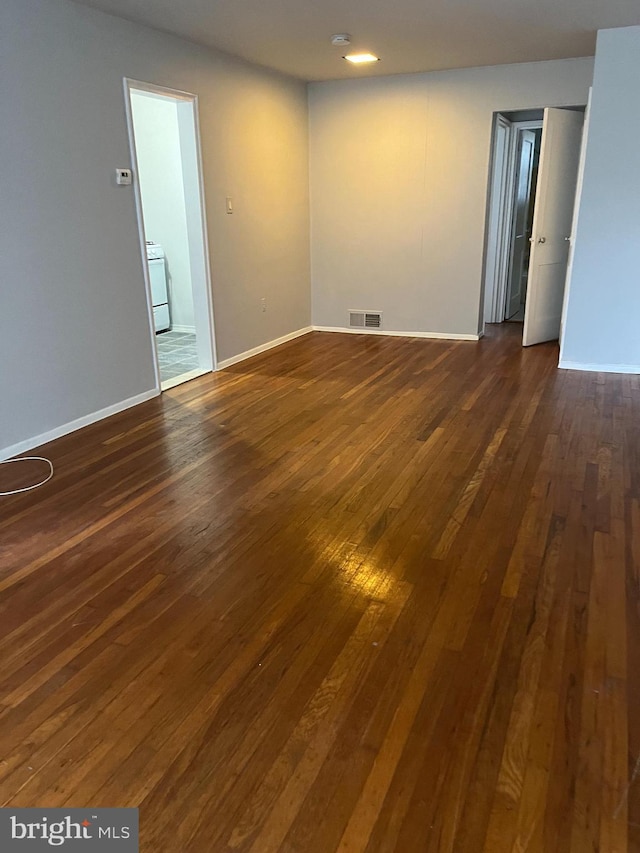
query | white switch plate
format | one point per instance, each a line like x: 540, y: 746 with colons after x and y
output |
x: 229, y: 204
x: 123, y: 177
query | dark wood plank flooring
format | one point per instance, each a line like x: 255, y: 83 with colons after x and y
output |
x: 356, y: 594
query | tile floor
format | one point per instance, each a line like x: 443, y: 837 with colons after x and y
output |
x: 176, y: 354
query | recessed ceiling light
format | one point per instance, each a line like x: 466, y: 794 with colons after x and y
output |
x: 358, y: 58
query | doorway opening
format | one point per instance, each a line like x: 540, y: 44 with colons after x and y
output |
x: 165, y: 151
x: 527, y: 145
x: 532, y: 188
x: 517, y: 139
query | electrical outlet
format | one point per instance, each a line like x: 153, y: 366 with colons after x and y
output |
x: 263, y: 303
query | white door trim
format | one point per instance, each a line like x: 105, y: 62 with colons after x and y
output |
x: 141, y: 235
x: 497, y: 231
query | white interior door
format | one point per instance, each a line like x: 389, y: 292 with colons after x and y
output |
x: 556, y: 188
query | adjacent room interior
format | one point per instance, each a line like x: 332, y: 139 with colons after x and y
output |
x: 319, y: 492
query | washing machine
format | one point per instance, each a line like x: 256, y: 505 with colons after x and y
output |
x: 159, y: 292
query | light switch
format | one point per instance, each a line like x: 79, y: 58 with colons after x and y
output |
x: 123, y: 177
x: 229, y: 204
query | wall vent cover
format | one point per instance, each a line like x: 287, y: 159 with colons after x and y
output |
x: 365, y: 319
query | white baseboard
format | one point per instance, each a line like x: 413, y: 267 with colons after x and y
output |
x: 227, y: 362
x: 445, y: 336
x: 599, y: 368
x: 448, y: 336
x: 72, y: 426
x: 190, y: 329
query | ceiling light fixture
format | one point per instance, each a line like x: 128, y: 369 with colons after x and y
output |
x: 359, y: 58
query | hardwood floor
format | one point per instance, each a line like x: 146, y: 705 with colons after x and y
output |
x: 356, y: 594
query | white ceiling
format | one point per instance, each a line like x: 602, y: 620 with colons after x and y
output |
x: 408, y: 35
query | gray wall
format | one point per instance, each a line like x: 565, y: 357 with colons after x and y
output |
x: 603, y: 310
x: 399, y: 175
x: 74, y: 319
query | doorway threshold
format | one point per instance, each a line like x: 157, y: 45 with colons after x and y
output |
x: 184, y: 377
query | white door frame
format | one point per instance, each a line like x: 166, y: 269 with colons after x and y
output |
x: 202, y: 280
x: 498, y: 218
x: 500, y: 224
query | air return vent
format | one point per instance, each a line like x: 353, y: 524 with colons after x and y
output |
x: 365, y: 319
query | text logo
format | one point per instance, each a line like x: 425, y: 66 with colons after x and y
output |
x: 79, y: 830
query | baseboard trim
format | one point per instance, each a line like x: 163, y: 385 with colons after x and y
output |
x: 227, y: 362
x: 190, y: 329
x: 72, y: 426
x: 444, y: 336
x: 598, y: 368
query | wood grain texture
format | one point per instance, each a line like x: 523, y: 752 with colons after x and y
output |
x: 356, y: 594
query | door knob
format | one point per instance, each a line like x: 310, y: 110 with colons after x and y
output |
x: 542, y: 239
